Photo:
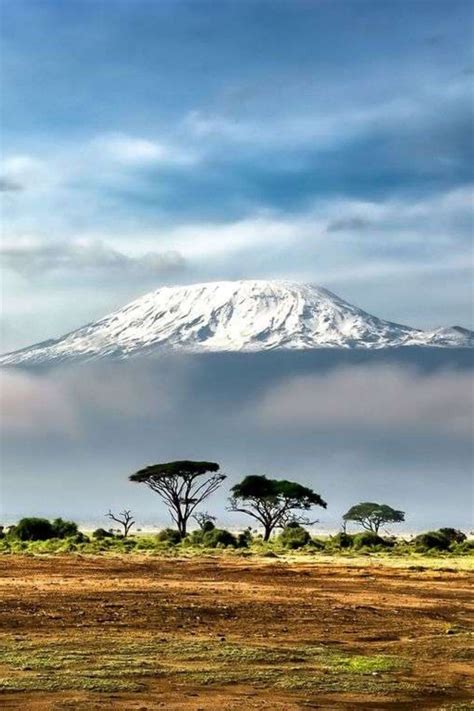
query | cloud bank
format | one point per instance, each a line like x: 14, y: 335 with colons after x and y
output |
x: 32, y: 258
x: 372, y: 400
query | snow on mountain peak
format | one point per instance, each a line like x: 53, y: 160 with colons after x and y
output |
x: 250, y: 315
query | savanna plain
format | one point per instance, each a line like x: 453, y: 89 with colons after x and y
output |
x: 234, y: 630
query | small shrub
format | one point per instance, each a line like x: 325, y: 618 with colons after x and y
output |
x: 100, y: 533
x: 244, y: 539
x: 208, y: 526
x: 432, y: 540
x: 342, y: 540
x: 195, y: 538
x: 367, y: 539
x: 219, y: 537
x: 64, y: 529
x: 464, y: 547
x: 169, y: 535
x: 145, y: 543
x: 294, y: 536
x: 33, y: 529
x: 453, y: 535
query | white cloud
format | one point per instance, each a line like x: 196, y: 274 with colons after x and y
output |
x: 25, y: 171
x: 31, y: 257
x: 320, y: 128
x: 66, y: 402
x: 137, y: 151
x: 367, y: 227
x: 372, y: 399
x: 33, y: 405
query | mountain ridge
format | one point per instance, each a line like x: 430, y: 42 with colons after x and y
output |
x: 234, y: 316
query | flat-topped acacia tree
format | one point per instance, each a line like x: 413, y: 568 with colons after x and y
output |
x: 371, y: 516
x: 182, y: 485
x: 273, y: 502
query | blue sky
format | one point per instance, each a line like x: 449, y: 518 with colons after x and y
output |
x: 147, y: 143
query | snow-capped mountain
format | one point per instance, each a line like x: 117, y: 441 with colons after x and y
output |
x: 233, y: 316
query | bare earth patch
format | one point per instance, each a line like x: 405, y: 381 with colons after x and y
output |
x: 205, y: 633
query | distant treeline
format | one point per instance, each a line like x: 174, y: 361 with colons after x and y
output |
x: 39, y: 535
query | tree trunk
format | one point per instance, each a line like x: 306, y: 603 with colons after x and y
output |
x: 182, y: 527
x: 267, y: 532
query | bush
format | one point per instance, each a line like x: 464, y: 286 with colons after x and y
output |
x: 33, y: 529
x: 464, y: 547
x: 145, y: 543
x: 41, y: 529
x: 244, y: 539
x: 207, y: 526
x: 169, y: 535
x: 440, y: 540
x: 432, y: 540
x: 100, y: 533
x: 195, y: 538
x: 294, y: 536
x: 219, y: 537
x: 342, y: 540
x: 453, y: 535
x: 368, y: 539
x: 64, y: 529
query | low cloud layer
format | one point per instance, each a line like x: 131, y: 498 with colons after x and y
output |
x: 367, y: 399
x: 71, y: 402
x: 372, y: 399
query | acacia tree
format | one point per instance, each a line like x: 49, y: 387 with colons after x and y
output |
x: 124, y: 518
x: 182, y: 485
x: 273, y: 502
x: 371, y: 516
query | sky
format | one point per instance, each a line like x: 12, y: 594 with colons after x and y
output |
x: 148, y: 143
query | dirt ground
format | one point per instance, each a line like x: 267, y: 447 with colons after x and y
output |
x: 136, y: 634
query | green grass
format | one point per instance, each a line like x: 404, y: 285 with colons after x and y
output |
x: 401, y: 556
x: 124, y: 665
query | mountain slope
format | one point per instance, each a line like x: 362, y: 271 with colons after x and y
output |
x: 233, y: 316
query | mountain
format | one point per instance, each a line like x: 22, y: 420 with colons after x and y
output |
x: 244, y: 316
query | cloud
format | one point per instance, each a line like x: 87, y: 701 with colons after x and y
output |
x: 367, y: 401
x: 35, y: 406
x: 344, y: 224
x: 7, y: 185
x: 373, y: 400
x: 328, y: 125
x: 21, y: 171
x: 30, y: 258
x: 137, y: 151
x: 72, y: 402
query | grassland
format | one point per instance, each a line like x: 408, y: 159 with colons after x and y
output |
x: 228, y: 631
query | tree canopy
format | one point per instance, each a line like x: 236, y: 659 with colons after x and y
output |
x: 371, y: 516
x: 273, y: 502
x: 182, y: 485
